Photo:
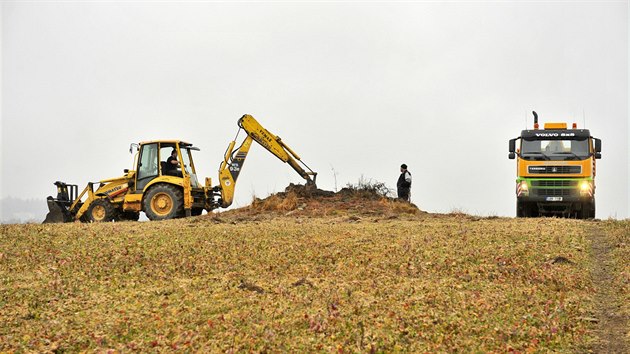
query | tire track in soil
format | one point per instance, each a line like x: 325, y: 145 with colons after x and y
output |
x: 611, y: 325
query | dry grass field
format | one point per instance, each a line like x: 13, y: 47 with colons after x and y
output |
x: 295, y: 275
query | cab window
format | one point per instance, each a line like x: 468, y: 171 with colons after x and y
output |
x: 165, y: 153
x: 147, y: 165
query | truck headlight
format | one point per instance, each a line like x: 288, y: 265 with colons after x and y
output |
x: 586, y: 188
x: 522, y: 189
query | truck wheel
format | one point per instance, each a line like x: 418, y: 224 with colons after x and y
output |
x: 532, y: 211
x: 525, y: 210
x: 101, y: 210
x: 588, y: 211
x: 520, y: 209
x: 583, y: 214
x: 163, y: 201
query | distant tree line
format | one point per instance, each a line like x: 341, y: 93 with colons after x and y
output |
x: 18, y: 211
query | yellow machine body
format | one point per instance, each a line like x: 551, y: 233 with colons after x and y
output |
x: 165, y: 192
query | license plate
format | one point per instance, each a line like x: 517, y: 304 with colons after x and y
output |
x: 554, y: 199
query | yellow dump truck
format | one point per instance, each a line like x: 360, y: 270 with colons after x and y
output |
x: 555, y: 170
x: 164, y: 183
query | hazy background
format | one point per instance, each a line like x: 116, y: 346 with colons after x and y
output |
x: 355, y: 88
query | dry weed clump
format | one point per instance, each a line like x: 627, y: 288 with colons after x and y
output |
x: 365, y: 198
x: 395, y: 206
x: 276, y: 202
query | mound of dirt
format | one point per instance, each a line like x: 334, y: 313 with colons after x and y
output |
x: 309, y: 201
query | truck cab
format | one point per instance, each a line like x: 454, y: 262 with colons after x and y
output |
x: 555, y: 171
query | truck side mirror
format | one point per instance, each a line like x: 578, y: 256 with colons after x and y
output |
x: 598, y: 148
x: 511, y: 149
x: 598, y: 145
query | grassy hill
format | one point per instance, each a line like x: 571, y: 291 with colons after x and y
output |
x: 309, y: 274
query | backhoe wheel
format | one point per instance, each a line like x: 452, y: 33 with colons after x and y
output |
x: 163, y: 201
x: 101, y: 210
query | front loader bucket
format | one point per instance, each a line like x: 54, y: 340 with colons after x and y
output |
x: 59, y: 208
x: 56, y: 214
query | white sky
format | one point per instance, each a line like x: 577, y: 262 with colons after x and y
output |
x: 358, y: 87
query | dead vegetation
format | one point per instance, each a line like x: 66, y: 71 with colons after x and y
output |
x: 611, y: 281
x: 433, y: 283
x: 308, y: 270
x: 361, y: 200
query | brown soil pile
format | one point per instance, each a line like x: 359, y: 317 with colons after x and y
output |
x: 309, y: 201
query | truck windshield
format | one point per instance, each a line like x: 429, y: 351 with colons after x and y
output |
x: 555, y: 150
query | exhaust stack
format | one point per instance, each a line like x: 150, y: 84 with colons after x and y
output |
x: 535, y: 120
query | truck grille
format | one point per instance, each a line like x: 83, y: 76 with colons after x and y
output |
x: 555, y: 192
x: 554, y: 169
x: 555, y: 183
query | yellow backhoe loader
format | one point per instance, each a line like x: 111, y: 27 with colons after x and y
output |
x: 163, y: 191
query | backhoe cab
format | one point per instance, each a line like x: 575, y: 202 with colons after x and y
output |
x: 163, y: 190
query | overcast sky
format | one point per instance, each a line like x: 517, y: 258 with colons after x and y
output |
x: 355, y: 88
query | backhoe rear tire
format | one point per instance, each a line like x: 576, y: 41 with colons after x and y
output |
x: 163, y: 202
x: 101, y: 210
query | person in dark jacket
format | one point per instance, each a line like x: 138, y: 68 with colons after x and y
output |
x: 170, y: 168
x: 404, y: 183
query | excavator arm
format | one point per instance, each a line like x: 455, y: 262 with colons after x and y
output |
x: 233, y: 160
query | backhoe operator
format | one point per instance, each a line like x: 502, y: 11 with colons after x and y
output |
x: 171, y: 165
